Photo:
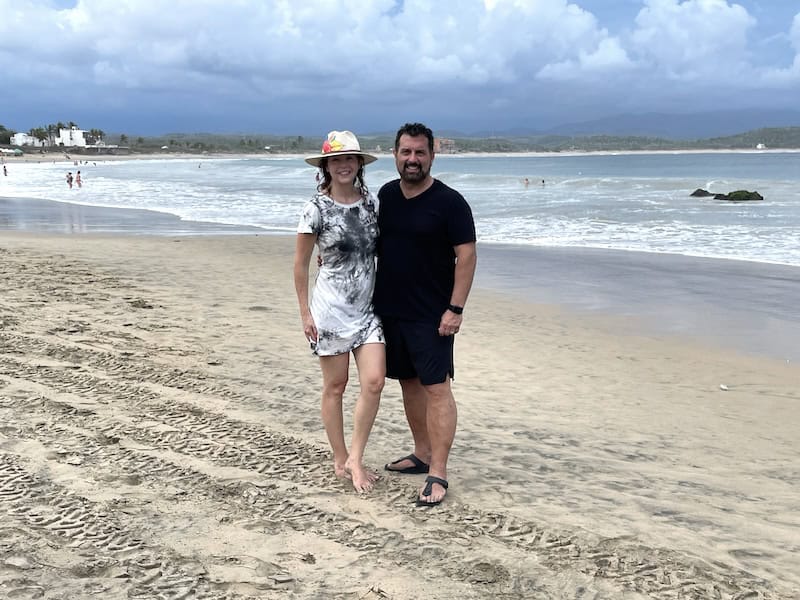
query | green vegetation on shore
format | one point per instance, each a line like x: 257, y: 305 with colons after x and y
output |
x: 199, y: 143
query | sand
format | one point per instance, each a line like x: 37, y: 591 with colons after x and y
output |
x: 160, y: 438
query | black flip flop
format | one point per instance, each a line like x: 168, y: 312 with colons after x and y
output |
x: 419, y: 466
x: 428, y: 489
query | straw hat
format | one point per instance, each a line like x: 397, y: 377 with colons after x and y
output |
x: 340, y: 143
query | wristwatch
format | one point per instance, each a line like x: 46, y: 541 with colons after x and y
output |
x: 455, y: 309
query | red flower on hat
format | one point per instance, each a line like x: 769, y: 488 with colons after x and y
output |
x: 326, y: 147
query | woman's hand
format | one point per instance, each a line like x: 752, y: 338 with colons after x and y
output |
x: 310, y: 328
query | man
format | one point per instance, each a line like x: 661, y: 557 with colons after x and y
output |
x: 426, y: 263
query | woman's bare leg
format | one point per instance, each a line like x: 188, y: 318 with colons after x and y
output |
x: 371, y: 363
x: 334, y: 380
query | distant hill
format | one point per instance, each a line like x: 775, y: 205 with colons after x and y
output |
x: 772, y: 138
x: 202, y: 143
x: 693, y: 126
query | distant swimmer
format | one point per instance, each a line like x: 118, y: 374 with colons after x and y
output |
x: 78, y: 179
x: 5, y: 170
x: 542, y: 182
x: 526, y: 182
x: 69, y: 179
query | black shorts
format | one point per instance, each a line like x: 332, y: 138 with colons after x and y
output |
x: 415, y: 349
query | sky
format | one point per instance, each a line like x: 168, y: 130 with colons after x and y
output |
x: 286, y: 67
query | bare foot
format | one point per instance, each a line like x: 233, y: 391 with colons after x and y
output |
x: 363, y: 479
x: 341, y: 470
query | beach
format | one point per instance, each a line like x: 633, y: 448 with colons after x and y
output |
x: 161, y: 437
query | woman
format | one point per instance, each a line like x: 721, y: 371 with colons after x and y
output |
x: 342, y: 220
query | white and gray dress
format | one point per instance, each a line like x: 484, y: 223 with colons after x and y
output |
x: 341, y: 303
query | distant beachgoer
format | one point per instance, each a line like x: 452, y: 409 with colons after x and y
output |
x: 341, y: 219
x: 542, y: 182
x: 78, y: 179
x: 5, y: 171
x: 69, y: 179
x: 526, y: 182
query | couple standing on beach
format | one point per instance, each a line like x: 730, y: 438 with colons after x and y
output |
x: 398, y: 317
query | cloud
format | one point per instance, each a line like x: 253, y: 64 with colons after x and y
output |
x: 788, y: 77
x: 693, y: 41
x: 608, y: 57
x: 259, y: 63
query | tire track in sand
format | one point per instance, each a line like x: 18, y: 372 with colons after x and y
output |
x: 212, y: 437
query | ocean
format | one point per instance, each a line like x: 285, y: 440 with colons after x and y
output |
x: 627, y: 202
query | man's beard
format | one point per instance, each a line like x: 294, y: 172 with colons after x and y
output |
x: 415, y: 177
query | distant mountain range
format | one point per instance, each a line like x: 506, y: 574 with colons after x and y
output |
x: 721, y: 130
x: 666, y: 126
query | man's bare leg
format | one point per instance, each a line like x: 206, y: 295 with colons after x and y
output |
x: 442, y: 416
x: 415, y: 401
x: 334, y: 380
x: 371, y: 363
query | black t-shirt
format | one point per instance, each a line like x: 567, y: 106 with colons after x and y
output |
x: 416, y: 261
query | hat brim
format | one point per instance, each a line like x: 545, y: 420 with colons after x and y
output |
x: 315, y: 160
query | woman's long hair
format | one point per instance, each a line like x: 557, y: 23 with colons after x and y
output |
x: 324, y: 184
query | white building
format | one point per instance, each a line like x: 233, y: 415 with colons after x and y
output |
x: 24, y: 139
x: 71, y: 137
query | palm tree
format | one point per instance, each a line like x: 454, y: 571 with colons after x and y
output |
x: 40, y: 133
x: 96, y: 135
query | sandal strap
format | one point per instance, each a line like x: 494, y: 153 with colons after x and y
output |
x: 430, y: 480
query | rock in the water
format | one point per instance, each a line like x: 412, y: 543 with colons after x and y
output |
x: 737, y: 196
x: 744, y: 196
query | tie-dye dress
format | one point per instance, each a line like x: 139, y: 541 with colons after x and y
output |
x: 341, y: 302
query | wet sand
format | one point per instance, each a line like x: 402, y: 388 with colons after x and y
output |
x: 747, y: 306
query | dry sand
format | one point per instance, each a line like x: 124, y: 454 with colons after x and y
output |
x: 160, y: 438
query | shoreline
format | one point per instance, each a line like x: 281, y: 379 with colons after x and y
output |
x: 50, y: 218
x: 158, y: 401
x: 745, y: 305
x: 33, y: 158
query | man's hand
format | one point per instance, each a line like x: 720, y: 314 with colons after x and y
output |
x: 450, y: 323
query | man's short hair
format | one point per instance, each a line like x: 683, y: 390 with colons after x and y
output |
x: 414, y: 130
